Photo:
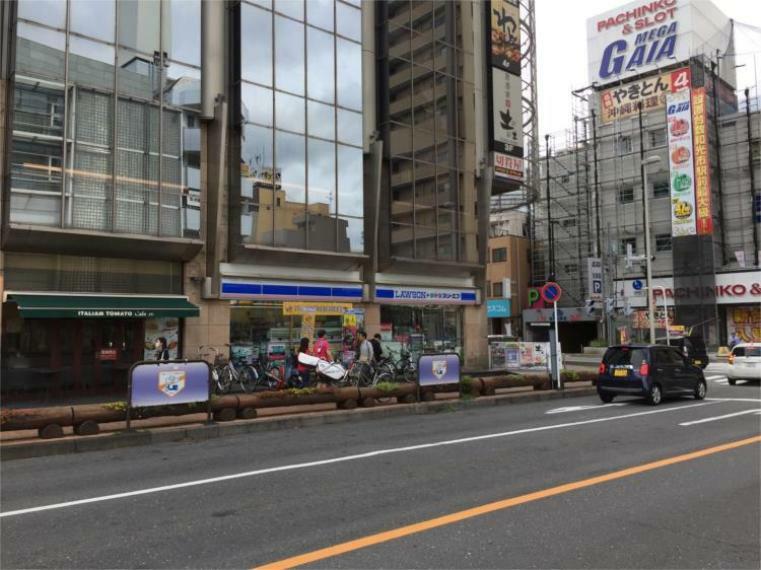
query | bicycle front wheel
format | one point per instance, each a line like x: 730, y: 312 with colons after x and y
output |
x: 224, y: 381
x: 246, y: 380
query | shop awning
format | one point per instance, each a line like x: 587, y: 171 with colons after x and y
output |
x: 57, y: 306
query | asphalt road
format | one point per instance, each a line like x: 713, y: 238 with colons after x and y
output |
x: 244, y: 501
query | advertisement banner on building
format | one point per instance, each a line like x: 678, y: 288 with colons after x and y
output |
x: 506, y: 36
x: 702, y: 165
x: 638, y: 36
x: 508, y: 167
x: 622, y: 101
x: 507, y: 113
x: 594, y: 278
x: 681, y: 169
x: 728, y: 289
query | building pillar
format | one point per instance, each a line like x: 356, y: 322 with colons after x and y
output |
x: 475, y: 330
x: 372, y: 319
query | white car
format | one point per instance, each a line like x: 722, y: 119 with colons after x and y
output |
x: 745, y: 362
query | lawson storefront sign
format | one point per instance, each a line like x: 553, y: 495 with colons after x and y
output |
x: 425, y: 296
x: 289, y: 290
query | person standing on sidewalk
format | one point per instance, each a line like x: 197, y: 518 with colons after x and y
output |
x: 162, y: 352
x: 366, y: 352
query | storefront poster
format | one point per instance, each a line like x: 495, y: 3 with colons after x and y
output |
x: 507, y: 112
x: 169, y: 328
x: 506, y: 35
x: 745, y: 322
x: 682, y: 171
x: 702, y: 164
x: 295, y: 308
x: 166, y: 383
x: 307, y: 327
x: 434, y: 369
x: 387, y: 332
x: 623, y: 101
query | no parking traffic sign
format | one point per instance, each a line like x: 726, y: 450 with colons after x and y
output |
x: 551, y: 292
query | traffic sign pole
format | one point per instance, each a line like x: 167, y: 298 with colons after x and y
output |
x: 551, y: 293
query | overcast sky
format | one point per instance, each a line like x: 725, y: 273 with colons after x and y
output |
x: 562, y: 51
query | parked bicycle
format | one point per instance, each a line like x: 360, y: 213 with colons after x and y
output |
x: 211, y: 354
x: 403, y: 369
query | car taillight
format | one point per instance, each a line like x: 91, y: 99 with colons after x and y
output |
x: 731, y: 359
x: 601, y: 368
x: 644, y: 369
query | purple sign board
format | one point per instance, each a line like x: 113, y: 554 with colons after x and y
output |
x: 435, y: 369
x: 168, y: 383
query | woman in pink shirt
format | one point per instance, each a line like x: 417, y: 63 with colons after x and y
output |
x: 321, y: 348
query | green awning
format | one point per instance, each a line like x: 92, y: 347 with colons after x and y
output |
x: 71, y: 306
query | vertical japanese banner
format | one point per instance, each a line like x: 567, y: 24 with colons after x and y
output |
x: 702, y: 165
x: 505, y: 35
x: 681, y: 169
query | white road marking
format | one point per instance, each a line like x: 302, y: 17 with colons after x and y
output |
x: 582, y: 408
x: 733, y: 399
x: 343, y: 459
x: 716, y: 418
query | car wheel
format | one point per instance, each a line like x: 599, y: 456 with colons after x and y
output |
x: 654, y: 396
x: 700, y: 390
x: 731, y: 381
x: 606, y: 397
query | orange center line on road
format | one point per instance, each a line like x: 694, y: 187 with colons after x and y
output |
x: 401, y: 532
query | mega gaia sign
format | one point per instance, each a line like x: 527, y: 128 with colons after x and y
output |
x: 639, y: 36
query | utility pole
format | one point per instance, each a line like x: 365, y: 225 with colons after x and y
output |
x: 754, y: 210
x: 550, y: 236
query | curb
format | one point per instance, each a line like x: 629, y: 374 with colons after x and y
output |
x: 83, y: 444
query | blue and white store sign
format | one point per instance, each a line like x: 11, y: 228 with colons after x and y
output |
x: 425, y: 295
x: 497, y: 308
x: 289, y: 290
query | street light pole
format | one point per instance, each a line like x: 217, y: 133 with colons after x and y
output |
x: 648, y: 255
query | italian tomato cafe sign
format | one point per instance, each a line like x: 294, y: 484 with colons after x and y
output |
x: 641, y: 36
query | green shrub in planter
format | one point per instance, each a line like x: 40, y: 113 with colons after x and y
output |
x: 599, y: 343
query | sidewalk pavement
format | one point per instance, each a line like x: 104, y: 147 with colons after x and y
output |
x: 25, y: 443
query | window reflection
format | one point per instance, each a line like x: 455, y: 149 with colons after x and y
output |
x: 256, y: 44
x: 351, y: 235
x: 350, y: 194
x: 182, y: 85
x: 139, y: 75
x: 257, y: 185
x: 320, y: 13
x: 256, y: 104
x: 349, y: 127
x: 289, y: 55
x: 349, y: 74
x: 292, y: 8
x: 289, y: 112
x: 290, y: 214
x: 348, y: 21
x: 184, y: 15
x: 321, y: 120
x: 94, y: 18
x: 321, y: 66
x: 91, y: 63
x: 139, y: 25
x: 50, y: 12
x: 321, y: 173
x: 40, y: 51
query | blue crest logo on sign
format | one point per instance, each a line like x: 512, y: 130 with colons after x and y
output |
x: 637, y: 285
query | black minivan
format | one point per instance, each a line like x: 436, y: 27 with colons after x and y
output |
x: 652, y: 371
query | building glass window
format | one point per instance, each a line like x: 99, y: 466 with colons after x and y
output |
x: 112, y: 171
x: 622, y: 245
x: 499, y: 254
x: 496, y: 289
x: 661, y: 188
x: 301, y: 183
x: 626, y: 194
x: 663, y: 242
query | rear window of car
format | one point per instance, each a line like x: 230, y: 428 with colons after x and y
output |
x: 625, y: 356
x: 747, y: 351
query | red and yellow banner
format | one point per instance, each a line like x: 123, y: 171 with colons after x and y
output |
x: 702, y: 165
